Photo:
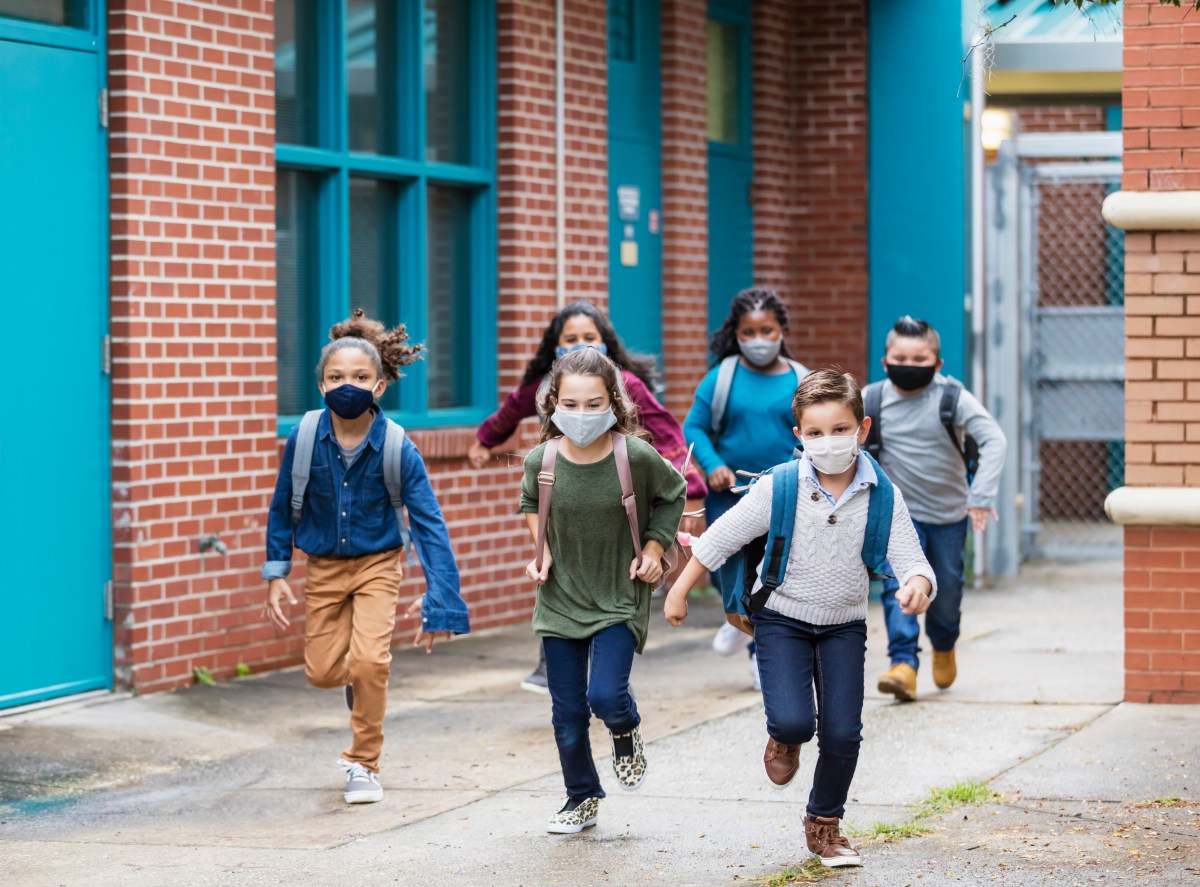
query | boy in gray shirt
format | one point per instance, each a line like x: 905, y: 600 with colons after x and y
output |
x: 925, y: 458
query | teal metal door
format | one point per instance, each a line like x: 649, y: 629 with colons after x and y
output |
x: 730, y: 156
x: 635, y: 173
x: 54, y: 439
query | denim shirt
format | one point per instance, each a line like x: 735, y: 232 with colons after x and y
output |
x: 347, y: 513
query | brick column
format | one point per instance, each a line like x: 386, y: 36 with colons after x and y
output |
x: 1161, y: 104
x: 810, y: 173
x: 684, y: 199
x: 192, y: 306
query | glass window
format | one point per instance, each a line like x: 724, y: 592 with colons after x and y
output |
x: 724, y: 90
x: 447, y: 83
x: 392, y: 208
x: 295, y: 62
x: 72, y: 13
x: 297, y: 331
x: 448, y: 298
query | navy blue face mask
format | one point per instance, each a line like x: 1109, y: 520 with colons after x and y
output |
x: 349, y: 401
x: 563, y: 350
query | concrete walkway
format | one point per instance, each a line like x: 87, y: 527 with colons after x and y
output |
x: 236, y: 784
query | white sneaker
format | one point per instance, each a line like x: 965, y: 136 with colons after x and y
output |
x: 730, y: 640
x: 754, y: 678
x: 362, y: 786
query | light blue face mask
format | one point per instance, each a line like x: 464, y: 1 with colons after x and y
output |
x: 563, y: 350
x: 583, y: 429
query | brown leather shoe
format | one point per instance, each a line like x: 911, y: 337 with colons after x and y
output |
x: 825, y: 839
x: 901, y: 681
x: 945, y: 670
x: 781, y: 762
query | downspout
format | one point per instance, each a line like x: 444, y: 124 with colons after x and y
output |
x: 978, y: 302
x: 560, y: 236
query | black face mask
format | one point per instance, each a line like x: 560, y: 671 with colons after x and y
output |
x: 907, y: 377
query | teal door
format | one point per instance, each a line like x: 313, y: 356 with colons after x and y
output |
x: 635, y: 173
x: 54, y: 438
x: 730, y: 156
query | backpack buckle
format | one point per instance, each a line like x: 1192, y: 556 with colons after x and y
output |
x: 624, y: 499
x: 546, y: 478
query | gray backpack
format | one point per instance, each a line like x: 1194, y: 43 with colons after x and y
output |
x: 720, y: 399
x: 393, y: 444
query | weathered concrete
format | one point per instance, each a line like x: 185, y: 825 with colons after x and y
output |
x: 236, y: 784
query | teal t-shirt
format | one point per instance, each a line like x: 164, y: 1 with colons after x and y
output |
x: 757, y: 433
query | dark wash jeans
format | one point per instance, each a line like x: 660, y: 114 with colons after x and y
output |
x: 943, y: 545
x: 576, y: 694
x: 796, y: 661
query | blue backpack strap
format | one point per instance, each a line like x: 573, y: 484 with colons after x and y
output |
x: 306, y: 439
x: 393, y: 451
x: 784, y: 486
x: 879, y: 519
x: 799, y: 369
x: 720, y: 400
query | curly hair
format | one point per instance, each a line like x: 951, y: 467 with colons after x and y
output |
x: 588, y: 362
x: 640, y: 365
x: 725, y: 340
x: 388, y: 349
x: 825, y: 385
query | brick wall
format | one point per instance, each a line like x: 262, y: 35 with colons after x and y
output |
x: 685, y: 200
x: 810, y: 173
x: 1162, y: 393
x: 1061, y: 118
x: 192, y: 319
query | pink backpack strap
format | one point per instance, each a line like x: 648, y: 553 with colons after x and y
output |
x: 545, y: 490
x: 628, y: 499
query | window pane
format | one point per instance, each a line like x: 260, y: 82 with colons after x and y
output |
x: 724, y: 91
x: 621, y: 44
x: 448, y: 298
x: 369, y: 74
x: 295, y: 85
x: 298, y: 335
x: 372, y: 252
x: 50, y: 12
x: 447, y: 81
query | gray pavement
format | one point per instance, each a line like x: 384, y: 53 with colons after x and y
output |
x: 236, y: 784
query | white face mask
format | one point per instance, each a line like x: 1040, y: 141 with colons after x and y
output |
x: 832, y: 454
x: 760, y: 352
x: 583, y: 429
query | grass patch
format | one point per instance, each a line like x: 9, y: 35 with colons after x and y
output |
x: 961, y: 794
x: 808, y: 872
x: 887, y: 832
x: 1171, y: 800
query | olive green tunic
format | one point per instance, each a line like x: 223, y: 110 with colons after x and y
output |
x: 589, y: 588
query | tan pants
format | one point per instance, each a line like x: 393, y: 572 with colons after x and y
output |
x: 350, y: 606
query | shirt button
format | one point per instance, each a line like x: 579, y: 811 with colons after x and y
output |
x: 816, y: 497
x: 345, y: 483
x: 832, y: 520
x: 343, y: 514
x: 343, y: 541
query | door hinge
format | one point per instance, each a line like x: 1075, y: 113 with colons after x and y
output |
x: 106, y: 354
x: 102, y: 98
x: 108, y: 600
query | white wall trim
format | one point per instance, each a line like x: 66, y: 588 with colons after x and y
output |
x: 1154, y: 506
x: 1153, y: 210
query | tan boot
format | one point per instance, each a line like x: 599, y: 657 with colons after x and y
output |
x: 901, y: 681
x: 781, y: 762
x: 945, y: 670
x: 825, y: 839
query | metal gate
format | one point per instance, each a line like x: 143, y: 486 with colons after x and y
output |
x: 1054, y: 348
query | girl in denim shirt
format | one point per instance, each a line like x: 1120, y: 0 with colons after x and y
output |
x: 352, y: 537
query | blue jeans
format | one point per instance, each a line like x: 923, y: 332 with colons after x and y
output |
x: 576, y: 695
x: 796, y: 658
x: 943, y: 546
x: 726, y: 576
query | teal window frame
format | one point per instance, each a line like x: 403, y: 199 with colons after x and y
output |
x: 333, y: 164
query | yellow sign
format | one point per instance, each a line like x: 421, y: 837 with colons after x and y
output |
x: 629, y: 253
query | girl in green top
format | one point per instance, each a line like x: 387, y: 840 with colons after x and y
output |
x: 593, y: 601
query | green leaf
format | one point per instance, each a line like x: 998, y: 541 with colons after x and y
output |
x: 203, y: 676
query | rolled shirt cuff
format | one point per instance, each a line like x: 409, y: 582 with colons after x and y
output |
x: 444, y: 619
x: 276, y: 570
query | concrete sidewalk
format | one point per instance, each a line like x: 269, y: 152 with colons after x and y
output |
x: 237, y: 785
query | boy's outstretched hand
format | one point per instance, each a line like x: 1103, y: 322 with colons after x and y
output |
x: 277, y: 590
x: 414, y: 611
x: 913, y: 596
x: 979, y: 517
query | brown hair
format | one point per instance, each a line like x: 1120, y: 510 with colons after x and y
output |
x: 588, y: 362
x: 388, y: 349
x: 826, y: 385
